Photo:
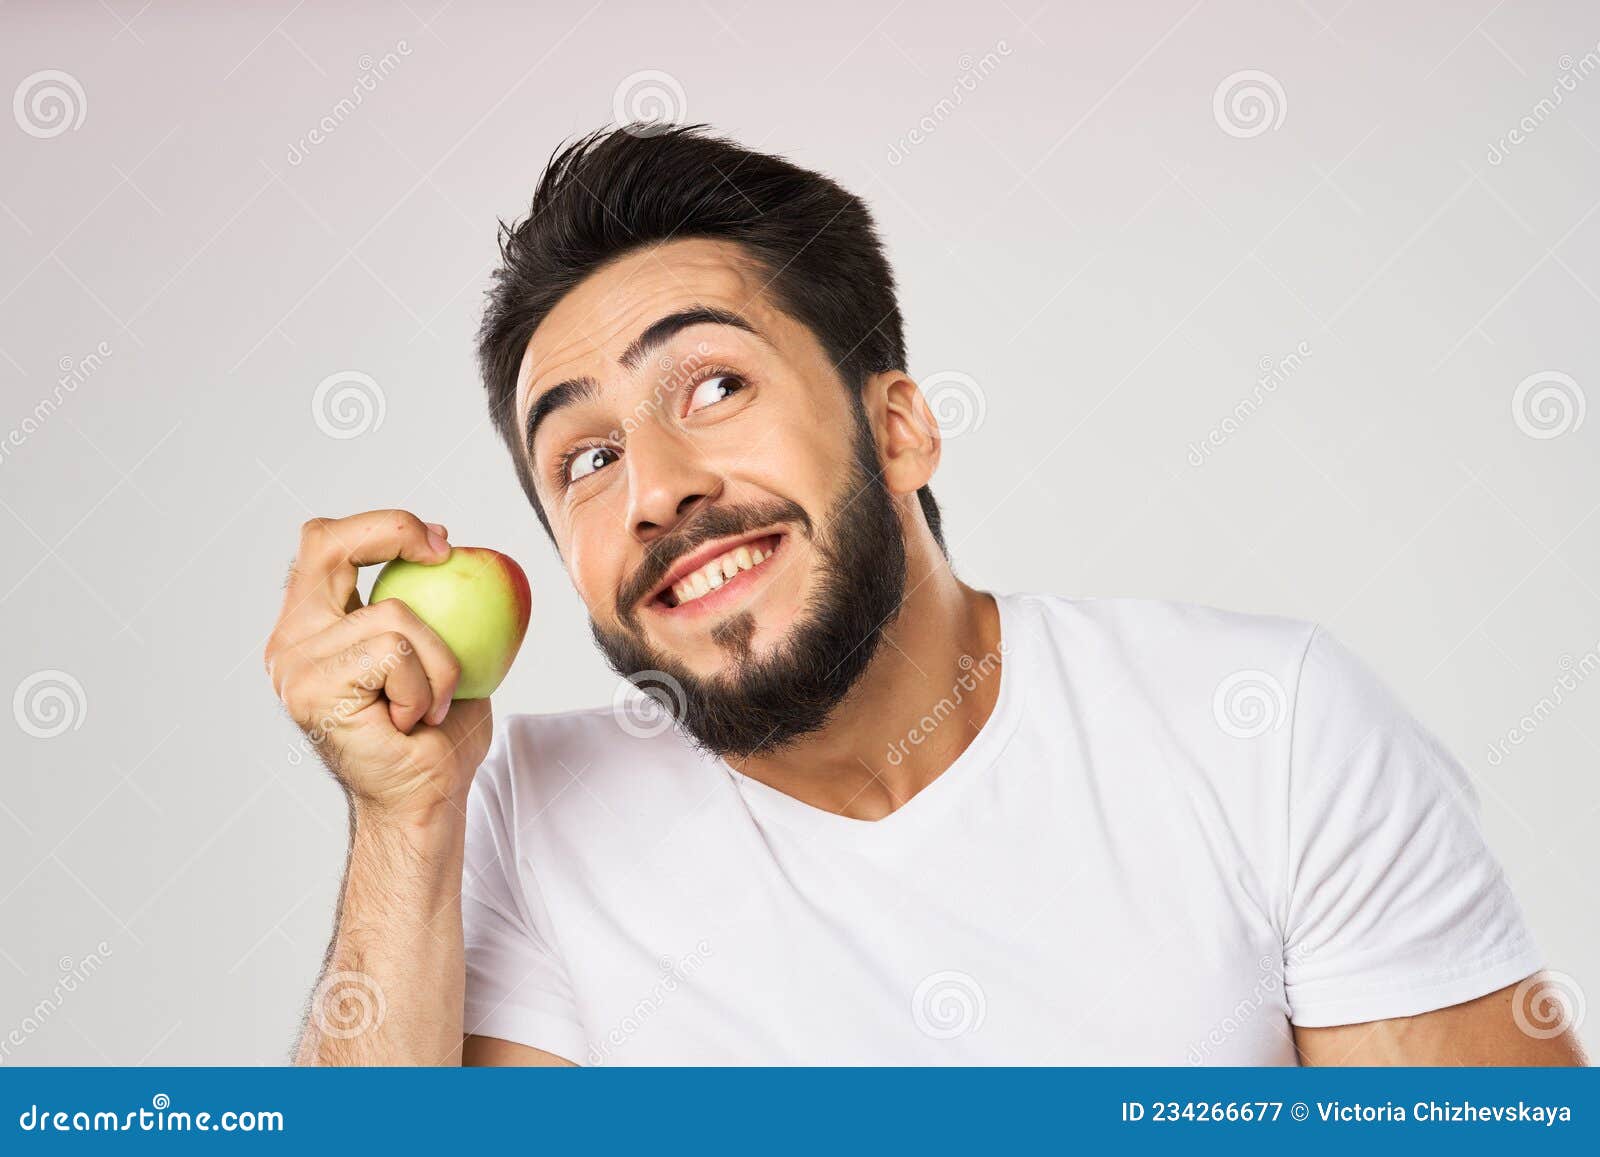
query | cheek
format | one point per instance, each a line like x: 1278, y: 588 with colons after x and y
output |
x: 593, y: 573
x: 807, y: 468
x: 826, y: 450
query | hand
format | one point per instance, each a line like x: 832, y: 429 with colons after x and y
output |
x: 371, y: 685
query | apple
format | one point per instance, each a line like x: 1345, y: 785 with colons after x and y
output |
x: 477, y: 601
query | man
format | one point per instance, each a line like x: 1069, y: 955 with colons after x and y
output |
x: 898, y: 820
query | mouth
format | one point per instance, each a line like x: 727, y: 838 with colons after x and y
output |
x: 717, y: 574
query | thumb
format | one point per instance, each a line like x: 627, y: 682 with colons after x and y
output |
x: 470, y: 721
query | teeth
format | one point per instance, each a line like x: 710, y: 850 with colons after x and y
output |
x: 718, y: 571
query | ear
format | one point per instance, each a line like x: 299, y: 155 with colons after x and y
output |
x: 908, y: 435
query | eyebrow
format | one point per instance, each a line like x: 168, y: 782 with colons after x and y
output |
x: 656, y: 335
x: 662, y: 331
x: 568, y: 393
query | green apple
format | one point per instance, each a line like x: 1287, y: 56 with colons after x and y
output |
x: 477, y: 601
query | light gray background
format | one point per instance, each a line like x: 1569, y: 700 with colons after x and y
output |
x: 1075, y: 231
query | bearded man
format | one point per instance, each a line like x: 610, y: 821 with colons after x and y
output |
x: 857, y: 812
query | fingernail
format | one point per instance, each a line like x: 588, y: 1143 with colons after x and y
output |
x: 436, y: 716
x: 438, y: 542
x: 438, y: 528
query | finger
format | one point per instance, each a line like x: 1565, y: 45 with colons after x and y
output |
x: 391, y: 615
x: 471, y: 718
x: 383, y: 663
x: 332, y: 551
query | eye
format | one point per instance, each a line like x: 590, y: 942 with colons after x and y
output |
x: 587, y: 460
x: 714, y: 389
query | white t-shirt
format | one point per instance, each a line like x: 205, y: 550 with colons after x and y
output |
x: 1179, y: 831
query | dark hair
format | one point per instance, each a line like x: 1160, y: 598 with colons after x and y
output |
x: 617, y: 190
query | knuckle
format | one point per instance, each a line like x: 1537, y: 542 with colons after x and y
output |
x: 296, y: 700
x: 363, y: 615
x: 404, y: 521
x: 450, y: 666
x: 277, y: 668
x: 277, y: 665
x: 394, y: 645
x: 398, y: 617
x: 388, y: 617
x: 390, y: 610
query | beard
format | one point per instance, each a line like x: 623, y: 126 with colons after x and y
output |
x: 763, y: 704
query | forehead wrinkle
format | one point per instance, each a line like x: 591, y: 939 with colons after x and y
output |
x: 575, y: 339
x: 729, y: 279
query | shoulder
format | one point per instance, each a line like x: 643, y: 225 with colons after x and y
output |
x: 625, y: 759
x: 1212, y: 678
x: 1203, y: 677
x: 1154, y: 639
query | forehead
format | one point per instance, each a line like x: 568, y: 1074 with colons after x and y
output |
x: 591, y: 326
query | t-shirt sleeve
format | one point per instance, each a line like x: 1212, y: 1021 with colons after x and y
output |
x: 1396, y: 906
x: 517, y: 985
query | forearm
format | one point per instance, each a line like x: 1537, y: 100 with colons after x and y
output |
x: 394, y: 980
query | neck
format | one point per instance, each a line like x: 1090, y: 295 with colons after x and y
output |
x: 928, y: 690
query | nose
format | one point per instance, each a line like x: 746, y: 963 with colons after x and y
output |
x: 667, y: 480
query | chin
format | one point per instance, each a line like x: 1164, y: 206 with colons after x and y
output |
x: 764, y: 653
x: 733, y: 642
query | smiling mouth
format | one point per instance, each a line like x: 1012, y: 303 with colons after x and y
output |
x: 720, y: 578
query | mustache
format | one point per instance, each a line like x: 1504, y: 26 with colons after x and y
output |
x: 712, y: 522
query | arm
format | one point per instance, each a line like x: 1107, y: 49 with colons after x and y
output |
x: 372, y: 687
x: 1486, y: 1031
x: 399, y: 927
x: 1403, y: 943
x: 392, y: 985
x: 488, y: 1050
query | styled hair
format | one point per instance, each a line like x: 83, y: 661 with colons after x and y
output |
x: 617, y: 190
